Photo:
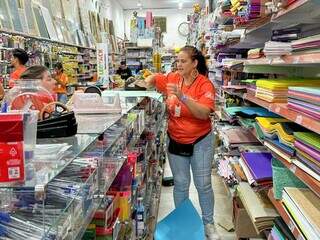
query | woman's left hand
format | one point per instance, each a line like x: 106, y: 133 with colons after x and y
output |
x: 174, y: 89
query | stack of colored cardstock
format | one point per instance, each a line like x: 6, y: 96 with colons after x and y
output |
x: 304, y: 208
x: 305, y: 100
x: 257, y: 168
x: 259, y: 208
x: 276, y: 90
x: 307, y: 146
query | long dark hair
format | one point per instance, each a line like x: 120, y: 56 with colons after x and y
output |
x: 195, y: 54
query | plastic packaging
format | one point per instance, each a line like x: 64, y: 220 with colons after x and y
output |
x: 27, y: 94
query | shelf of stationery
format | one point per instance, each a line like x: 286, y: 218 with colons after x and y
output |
x: 43, y: 39
x: 285, y: 216
x: 287, y: 60
x: 282, y: 110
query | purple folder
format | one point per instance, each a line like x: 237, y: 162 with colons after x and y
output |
x: 308, y: 150
x: 259, y: 164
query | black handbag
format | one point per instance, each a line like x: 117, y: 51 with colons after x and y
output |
x: 57, y: 123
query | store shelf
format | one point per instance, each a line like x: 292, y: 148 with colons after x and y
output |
x: 288, y: 60
x: 296, y: 12
x: 43, y: 39
x: 139, y: 48
x: 285, y: 216
x: 282, y: 110
x: 129, y: 57
x: 312, y: 183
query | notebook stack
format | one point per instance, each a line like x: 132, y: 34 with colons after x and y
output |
x: 259, y: 208
x: 305, y: 100
x: 276, y: 90
x: 307, y: 146
x: 304, y: 208
x: 257, y: 168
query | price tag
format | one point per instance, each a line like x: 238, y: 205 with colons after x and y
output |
x: 277, y: 109
x: 293, y: 168
x: 291, y: 226
x: 299, y: 119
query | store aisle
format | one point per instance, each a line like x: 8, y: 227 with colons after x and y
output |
x: 223, y: 209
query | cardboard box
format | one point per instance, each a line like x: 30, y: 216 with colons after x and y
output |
x: 243, y: 225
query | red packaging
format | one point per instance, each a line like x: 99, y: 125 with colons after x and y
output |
x: 11, y: 148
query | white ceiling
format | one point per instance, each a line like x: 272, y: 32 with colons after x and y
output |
x: 153, y: 4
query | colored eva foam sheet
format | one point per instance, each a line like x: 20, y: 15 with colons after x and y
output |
x: 309, y: 138
x: 183, y: 223
x: 250, y: 112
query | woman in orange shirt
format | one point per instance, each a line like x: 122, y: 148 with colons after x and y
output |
x: 190, y: 100
x: 62, y: 81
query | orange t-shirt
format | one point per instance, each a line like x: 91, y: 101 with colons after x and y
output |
x: 15, y: 75
x: 186, y: 128
x: 62, y: 88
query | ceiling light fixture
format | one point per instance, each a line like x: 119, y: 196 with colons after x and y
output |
x: 139, y: 4
x: 180, y: 5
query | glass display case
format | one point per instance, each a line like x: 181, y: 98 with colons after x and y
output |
x: 71, y: 177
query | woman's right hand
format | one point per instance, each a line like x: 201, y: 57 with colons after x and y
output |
x: 150, y: 81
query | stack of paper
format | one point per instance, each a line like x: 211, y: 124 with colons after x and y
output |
x: 278, y: 135
x: 276, y: 49
x: 307, y: 146
x: 281, y: 230
x: 308, y: 44
x: 232, y: 113
x: 304, y: 207
x: 258, y: 206
x: 251, y: 86
x: 238, y: 136
x: 276, y: 90
x: 257, y: 168
x: 305, y: 100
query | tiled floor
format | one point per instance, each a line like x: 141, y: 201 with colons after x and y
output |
x: 223, y: 209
